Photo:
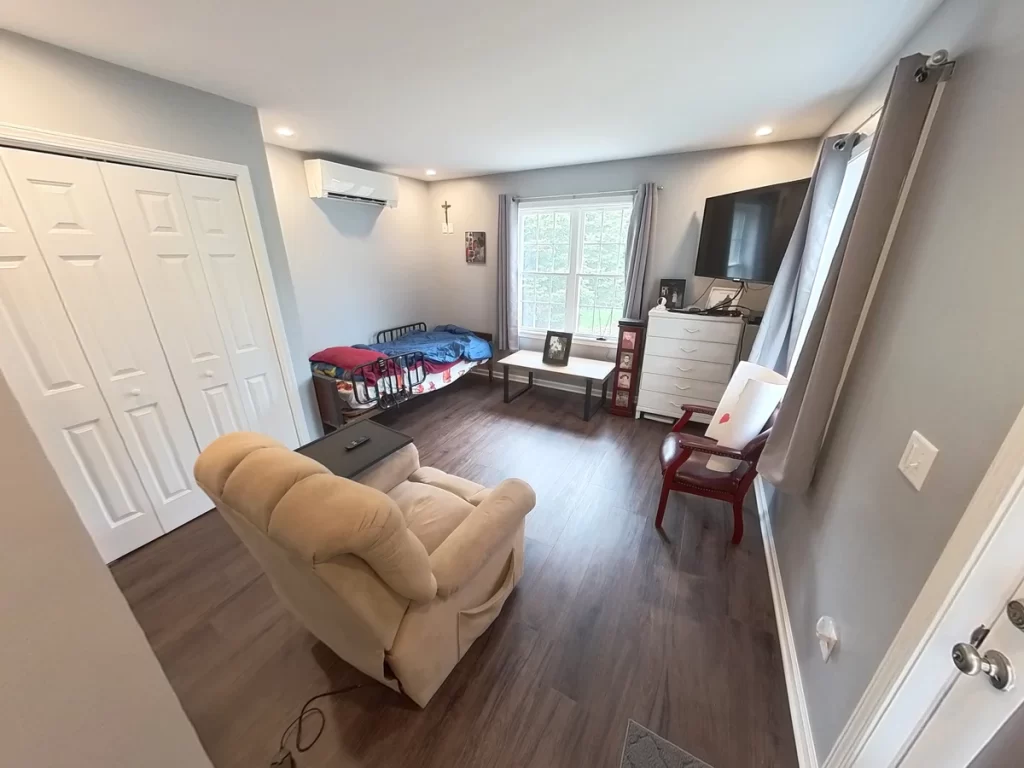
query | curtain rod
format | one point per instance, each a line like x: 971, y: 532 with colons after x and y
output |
x: 576, y: 197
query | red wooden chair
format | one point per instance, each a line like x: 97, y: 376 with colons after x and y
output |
x: 687, y: 473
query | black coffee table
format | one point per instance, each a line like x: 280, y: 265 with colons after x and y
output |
x: 331, y: 450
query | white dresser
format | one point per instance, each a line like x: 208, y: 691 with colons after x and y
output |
x: 687, y: 359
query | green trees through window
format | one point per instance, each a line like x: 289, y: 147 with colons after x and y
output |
x: 572, y: 267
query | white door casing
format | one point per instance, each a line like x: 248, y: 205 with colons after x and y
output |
x: 43, y: 363
x: 218, y: 226
x: 74, y: 224
x: 149, y: 206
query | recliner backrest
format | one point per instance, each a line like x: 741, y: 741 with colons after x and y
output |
x: 314, y: 515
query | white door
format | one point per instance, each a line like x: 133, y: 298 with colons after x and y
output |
x: 46, y: 368
x: 973, y: 710
x: 74, y: 225
x: 150, y: 209
x: 919, y: 709
x: 218, y: 225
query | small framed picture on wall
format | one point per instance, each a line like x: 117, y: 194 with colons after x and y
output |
x: 476, y: 247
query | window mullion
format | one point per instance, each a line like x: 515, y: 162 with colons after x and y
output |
x: 575, y: 257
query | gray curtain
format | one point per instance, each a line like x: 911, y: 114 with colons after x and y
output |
x: 791, y: 452
x: 638, y: 249
x: 776, y: 340
x: 508, y: 273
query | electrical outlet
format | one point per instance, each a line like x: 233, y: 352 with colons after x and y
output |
x: 917, y: 459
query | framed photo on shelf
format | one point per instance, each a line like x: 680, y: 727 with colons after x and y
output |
x: 719, y: 294
x: 556, y: 348
x: 673, y: 291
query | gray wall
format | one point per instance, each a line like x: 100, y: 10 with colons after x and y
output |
x: 687, y: 179
x: 80, y: 686
x: 939, y: 354
x: 56, y: 89
x: 358, y: 268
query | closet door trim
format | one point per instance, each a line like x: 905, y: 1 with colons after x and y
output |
x: 21, y: 137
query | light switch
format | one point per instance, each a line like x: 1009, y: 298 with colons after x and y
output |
x: 917, y: 459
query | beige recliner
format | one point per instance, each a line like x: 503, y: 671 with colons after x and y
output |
x: 398, y: 573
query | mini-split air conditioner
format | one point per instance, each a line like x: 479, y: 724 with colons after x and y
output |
x: 343, y: 182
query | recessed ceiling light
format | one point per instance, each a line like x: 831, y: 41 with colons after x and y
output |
x: 285, y: 131
x: 430, y: 172
x: 764, y: 130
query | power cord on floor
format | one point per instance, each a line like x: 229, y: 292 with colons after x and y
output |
x: 284, y: 758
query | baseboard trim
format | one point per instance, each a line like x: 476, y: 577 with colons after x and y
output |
x: 806, y: 753
x: 537, y: 382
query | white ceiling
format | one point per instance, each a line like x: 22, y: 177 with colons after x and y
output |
x: 480, y: 86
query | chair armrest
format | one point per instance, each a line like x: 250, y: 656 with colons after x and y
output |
x: 707, y: 445
x: 688, y: 410
x: 693, y: 408
x: 386, y: 474
x: 477, y: 538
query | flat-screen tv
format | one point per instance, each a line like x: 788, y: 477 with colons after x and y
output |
x: 744, y: 235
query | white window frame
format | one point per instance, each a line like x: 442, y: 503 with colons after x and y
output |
x: 575, y: 258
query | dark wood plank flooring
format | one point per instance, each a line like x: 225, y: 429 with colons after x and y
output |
x: 611, y: 621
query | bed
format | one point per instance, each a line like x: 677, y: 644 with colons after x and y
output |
x: 405, y: 362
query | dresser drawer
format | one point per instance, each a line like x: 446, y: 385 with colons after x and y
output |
x: 688, y: 369
x: 693, y: 329
x: 680, y: 387
x: 668, y: 405
x: 684, y: 349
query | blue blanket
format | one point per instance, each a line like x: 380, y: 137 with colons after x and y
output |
x: 444, y: 344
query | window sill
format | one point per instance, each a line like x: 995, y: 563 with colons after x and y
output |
x: 583, y: 341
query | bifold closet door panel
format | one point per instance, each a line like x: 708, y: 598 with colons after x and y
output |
x: 150, y: 209
x: 74, y: 225
x: 215, y: 213
x: 46, y: 369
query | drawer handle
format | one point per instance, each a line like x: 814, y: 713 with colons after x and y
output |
x: 684, y: 349
x: 692, y: 330
x: 684, y: 370
x: 681, y: 388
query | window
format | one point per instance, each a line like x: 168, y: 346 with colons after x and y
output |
x: 572, y: 265
x: 844, y: 204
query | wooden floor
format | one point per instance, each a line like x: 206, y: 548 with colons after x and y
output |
x: 611, y: 621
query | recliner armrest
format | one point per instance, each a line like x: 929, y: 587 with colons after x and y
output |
x: 391, y: 471
x: 460, y: 557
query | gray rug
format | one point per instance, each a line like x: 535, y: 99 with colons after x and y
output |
x: 646, y: 749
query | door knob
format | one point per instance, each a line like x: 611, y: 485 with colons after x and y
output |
x: 969, y: 660
x: 1015, y: 610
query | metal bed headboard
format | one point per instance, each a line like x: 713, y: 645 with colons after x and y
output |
x: 396, y: 333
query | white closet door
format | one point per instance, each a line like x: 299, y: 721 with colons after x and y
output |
x: 218, y: 224
x: 73, y: 221
x: 47, y: 370
x: 152, y: 215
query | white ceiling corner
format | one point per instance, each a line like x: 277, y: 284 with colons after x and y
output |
x: 471, y: 87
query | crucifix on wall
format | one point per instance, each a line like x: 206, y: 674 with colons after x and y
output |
x: 447, y: 228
